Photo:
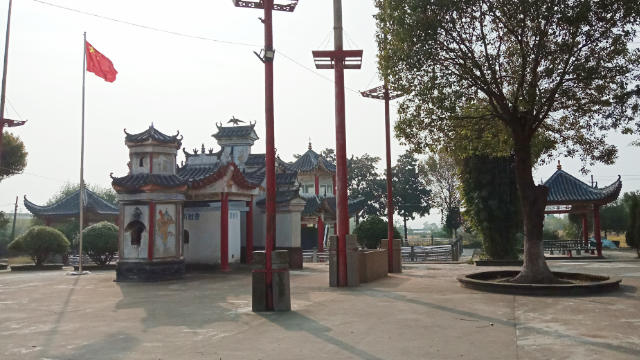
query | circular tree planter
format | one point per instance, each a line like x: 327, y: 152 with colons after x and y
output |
x: 578, y: 284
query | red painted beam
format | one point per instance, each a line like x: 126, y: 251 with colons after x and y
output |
x: 224, y: 232
x: 387, y: 123
x: 270, y: 150
x: 152, y: 224
x: 596, y: 229
x: 249, y: 244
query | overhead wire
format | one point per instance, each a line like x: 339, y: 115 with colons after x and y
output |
x: 197, y: 37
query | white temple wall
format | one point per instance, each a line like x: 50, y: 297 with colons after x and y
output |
x: 288, y: 229
x: 203, y: 225
x: 130, y: 249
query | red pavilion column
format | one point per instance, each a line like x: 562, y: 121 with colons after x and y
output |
x: 585, y: 230
x: 249, y: 245
x: 224, y: 232
x: 152, y: 224
x: 320, y: 222
x: 596, y: 229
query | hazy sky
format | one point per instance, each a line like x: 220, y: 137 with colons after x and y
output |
x: 188, y: 84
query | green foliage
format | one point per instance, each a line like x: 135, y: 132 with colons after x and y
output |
x: 411, y: 196
x: 100, y: 242
x: 633, y: 227
x: 439, y: 173
x: 453, y: 221
x: 106, y: 193
x: 364, y: 181
x: 613, y: 217
x: 39, y: 243
x: 372, y: 230
x: 491, y: 203
x: 14, y: 156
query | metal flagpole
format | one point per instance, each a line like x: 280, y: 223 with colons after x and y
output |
x: 84, y: 73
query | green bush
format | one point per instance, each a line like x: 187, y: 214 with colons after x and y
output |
x: 633, y: 227
x: 39, y: 242
x: 100, y: 242
x: 492, y: 207
x: 371, y: 231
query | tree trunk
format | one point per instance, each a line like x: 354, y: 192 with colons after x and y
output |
x: 533, y: 199
x: 404, y: 218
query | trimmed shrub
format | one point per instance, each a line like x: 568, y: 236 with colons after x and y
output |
x: 100, y: 242
x: 372, y: 230
x: 39, y: 242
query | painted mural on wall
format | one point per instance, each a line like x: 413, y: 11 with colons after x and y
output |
x: 165, y: 231
x: 136, y: 232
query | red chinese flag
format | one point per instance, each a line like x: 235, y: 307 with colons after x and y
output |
x: 99, y: 64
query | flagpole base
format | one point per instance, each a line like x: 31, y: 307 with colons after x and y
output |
x: 74, y: 273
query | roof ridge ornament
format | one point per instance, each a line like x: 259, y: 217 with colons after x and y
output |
x: 235, y: 121
x: 559, y: 167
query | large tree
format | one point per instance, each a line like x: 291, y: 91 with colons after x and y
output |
x: 411, y: 196
x: 14, y: 156
x: 440, y: 174
x: 365, y: 182
x: 564, y: 68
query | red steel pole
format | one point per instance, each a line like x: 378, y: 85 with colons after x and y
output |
x: 224, y: 232
x: 387, y: 123
x: 596, y: 229
x: 342, y: 214
x: 249, y: 219
x: 270, y: 150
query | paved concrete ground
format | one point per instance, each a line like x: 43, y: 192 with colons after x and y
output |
x: 419, y: 314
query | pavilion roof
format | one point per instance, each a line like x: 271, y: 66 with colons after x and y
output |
x: 318, y: 204
x: 233, y: 132
x: 311, y: 161
x: 565, y: 189
x: 69, y: 205
x: 136, y: 182
x: 153, y: 135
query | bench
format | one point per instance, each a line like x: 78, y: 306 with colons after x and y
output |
x: 567, y: 247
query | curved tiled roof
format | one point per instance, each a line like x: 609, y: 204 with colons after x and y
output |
x: 136, y: 182
x: 69, y: 206
x: 229, y: 132
x: 281, y: 197
x: 152, y: 134
x: 311, y: 161
x: 565, y: 189
x: 191, y: 173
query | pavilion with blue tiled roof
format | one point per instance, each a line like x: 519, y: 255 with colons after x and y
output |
x: 95, y: 209
x: 567, y: 194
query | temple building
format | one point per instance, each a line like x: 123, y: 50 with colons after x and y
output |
x: 210, y: 210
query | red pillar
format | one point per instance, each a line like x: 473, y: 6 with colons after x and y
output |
x: 152, y: 223
x: 224, y: 232
x: 596, y: 229
x: 387, y: 123
x: 320, y: 222
x: 270, y: 158
x: 249, y: 244
x: 585, y: 230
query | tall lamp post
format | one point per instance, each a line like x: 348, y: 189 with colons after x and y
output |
x: 266, y: 56
x: 382, y: 93
x: 339, y: 60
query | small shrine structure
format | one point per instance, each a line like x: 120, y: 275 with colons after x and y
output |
x: 567, y: 194
x: 317, y: 178
x: 95, y: 209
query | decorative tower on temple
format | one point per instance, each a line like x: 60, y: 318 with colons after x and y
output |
x: 151, y: 200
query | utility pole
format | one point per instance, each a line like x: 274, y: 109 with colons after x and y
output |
x: 382, y: 93
x: 6, y: 122
x: 339, y: 60
x: 266, y: 56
